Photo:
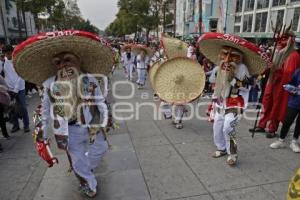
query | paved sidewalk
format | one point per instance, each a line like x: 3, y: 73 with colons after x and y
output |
x: 150, y: 159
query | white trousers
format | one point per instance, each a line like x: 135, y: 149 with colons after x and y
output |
x: 85, y: 157
x: 224, y: 131
x: 141, y: 76
x: 129, y: 69
x: 179, y: 112
x: 166, y: 109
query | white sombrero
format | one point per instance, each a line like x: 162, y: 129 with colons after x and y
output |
x: 179, y: 80
x: 32, y: 58
x: 174, y: 47
x: 211, y: 43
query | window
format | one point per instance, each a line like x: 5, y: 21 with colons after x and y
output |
x: 247, y: 23
x: 249, y: 5
x: 238, y: 19
x: 296, y: 19
x: 261, y: 22
x: 262, y: 4
x: 239, y: 5
x: 278, y: 2
x: 237, y: 29
x: 276, y: 18
x: 279, y: 19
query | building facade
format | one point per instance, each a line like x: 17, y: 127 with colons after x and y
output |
x: 254, y: 18
x: 188, y: 12
x: 13, y: 26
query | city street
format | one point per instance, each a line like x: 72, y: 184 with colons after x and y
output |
x: 150, y: 159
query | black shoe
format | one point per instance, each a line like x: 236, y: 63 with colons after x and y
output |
x: 257, y: 129
x: 15, y: 129
x: 1, y: 149
x: 7, y: 137
x: 26, y: 130
x: 271, y: 135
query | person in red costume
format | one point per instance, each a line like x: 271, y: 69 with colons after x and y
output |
x: 290, y: 66
x: 271, y: 102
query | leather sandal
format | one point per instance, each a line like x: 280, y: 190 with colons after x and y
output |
x: 231, y: 160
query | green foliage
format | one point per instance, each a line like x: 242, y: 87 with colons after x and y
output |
x: 134, y: 16
x: 63, y: 14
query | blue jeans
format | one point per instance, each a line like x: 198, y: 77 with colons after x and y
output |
x: 21, y: 100
x: 253, y: 95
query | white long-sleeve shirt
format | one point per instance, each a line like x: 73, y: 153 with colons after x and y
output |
x: 14, y: 82
x: 99, y: 101
x: 127, y: 61
x: 142, y: 64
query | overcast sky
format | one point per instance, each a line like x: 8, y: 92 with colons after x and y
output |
x: 100, y: 12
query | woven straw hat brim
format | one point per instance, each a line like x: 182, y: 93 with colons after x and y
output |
x: 126, y: 46
x: 34, y: 62
x: 137, y: 50
x: 210, y: 48
x: 174, y: 47
x: 179, y: 80
x: 153, y: 70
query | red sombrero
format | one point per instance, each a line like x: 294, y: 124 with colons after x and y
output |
x: 32, y: 58
x: 253, y: 58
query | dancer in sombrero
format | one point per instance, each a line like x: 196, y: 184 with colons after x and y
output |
x: 178, y: 82
x: 127, y: 60
x: 142, y: 63
x: 64, y: 63
x: 174, y: 48
x: 237, y: 60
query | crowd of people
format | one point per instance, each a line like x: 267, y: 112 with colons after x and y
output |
x: 229, y: 70
x: 13, y: 95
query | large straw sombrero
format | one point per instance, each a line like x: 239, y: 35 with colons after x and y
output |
x: 153, y: 70
x: 32, y: 58
x: 174, y: 47
x: 126, y: 46
x: 179, y: 80
x: 136, y: 49
x: 211, y: 43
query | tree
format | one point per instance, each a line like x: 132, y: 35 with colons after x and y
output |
x: 137, y: 15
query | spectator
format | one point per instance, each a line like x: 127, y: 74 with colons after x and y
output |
x: 292, y: 112
x: 16, y: 87
x: 253, y: 94
x: 4, y: 101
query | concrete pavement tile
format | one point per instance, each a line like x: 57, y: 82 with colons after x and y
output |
x: 123, y: 185
x: 15, y: 174
x: 200, y: 197
x: 63, y: 188
x: 177, y: 136
x: 60, y: 169
x: 117, y: 161
x: 120, y: 142
x: 166, y: 174
x: 186, y: 135
x: 278, y: 190
x: 256, y: 193
x: 284, y: 156
x: 30, y: 189
x: 121, y: 130
x: 211, y: 171
x: 145, y: 134
x: 263, y: 169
